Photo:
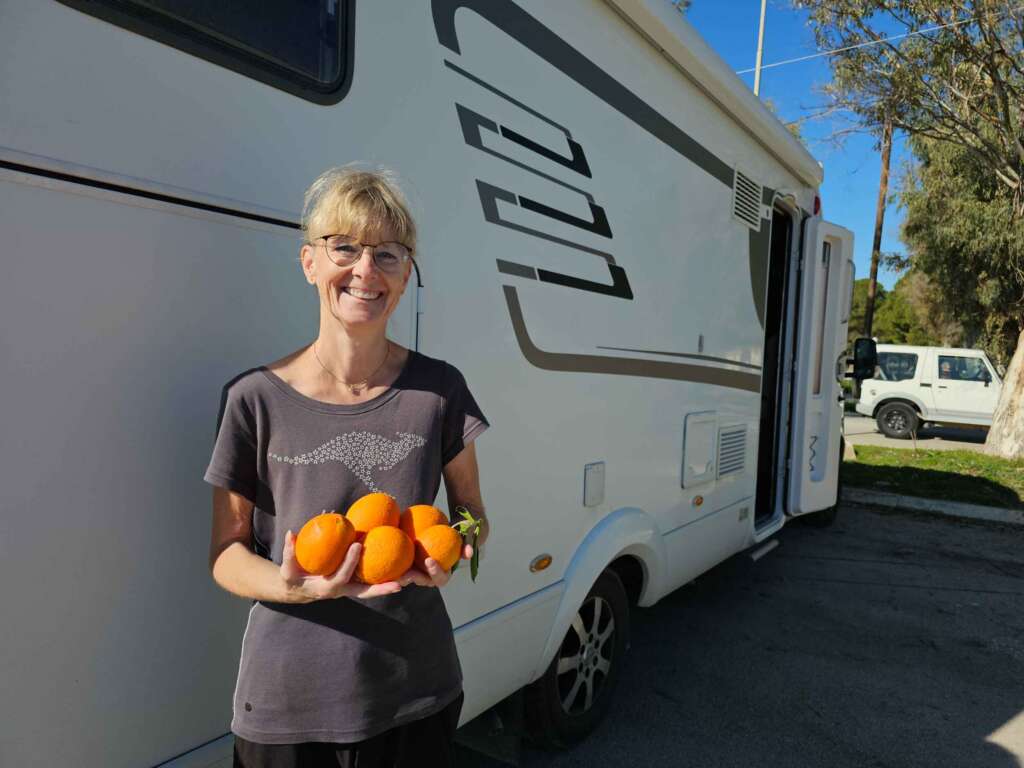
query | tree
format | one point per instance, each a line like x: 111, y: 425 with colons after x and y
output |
x: 962, y: 231
x: 955, y: 77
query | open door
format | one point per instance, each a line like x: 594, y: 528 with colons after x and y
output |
x: 825, y: 296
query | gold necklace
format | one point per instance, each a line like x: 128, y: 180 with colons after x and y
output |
x: 357, y: 388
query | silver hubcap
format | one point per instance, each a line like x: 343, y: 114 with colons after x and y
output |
x: 586, y: 656
x: 896, y: 421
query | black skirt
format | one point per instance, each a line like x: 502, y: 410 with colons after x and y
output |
x: 419, y: 743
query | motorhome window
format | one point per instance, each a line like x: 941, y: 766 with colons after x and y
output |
x: 821, y: 299
x: 962, y: 368
x: 896, y: 366
x: 300, y: 46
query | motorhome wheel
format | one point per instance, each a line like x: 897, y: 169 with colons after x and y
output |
x: 572, y: 696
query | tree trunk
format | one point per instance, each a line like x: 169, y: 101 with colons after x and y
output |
x: 1006, y: 436
x: 876, y: 248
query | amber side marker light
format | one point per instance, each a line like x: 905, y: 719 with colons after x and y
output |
x: 698, y: 500
x: 540, y: 563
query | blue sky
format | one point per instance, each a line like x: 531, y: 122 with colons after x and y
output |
x: 850, y: 190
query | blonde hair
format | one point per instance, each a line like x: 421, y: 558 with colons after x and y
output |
x: 348, y: 200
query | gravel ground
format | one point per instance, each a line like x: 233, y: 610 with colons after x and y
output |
x: 891, y: 639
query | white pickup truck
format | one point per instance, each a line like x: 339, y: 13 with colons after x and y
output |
x: 913, y: 385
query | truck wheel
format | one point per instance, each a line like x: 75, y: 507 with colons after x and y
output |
x: 897, y: 420
x: 573, y: 694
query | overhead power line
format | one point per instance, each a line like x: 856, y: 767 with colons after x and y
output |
x: 863, y: 45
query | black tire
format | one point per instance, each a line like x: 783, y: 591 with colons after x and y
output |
x: 563, y: 707
x: 897, y: 420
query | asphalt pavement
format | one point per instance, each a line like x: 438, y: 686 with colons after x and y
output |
x: 862, y: 430
x: 891, y: 640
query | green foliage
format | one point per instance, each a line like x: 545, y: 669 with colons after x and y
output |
x: 962, y: 232
x: 954, y: 75
x: 904, y: 315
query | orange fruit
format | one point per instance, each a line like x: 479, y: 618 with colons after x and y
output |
x: 387, y: 554
x: 372, y: 510
x: 440, y: 542
x: 419, y: 517
x: 323, y: 542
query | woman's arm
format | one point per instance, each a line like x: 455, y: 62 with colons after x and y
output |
x: 462, y: 484
x: 242, y: 572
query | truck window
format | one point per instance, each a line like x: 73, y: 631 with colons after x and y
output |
x: 962, y: 368
x: 896, y: 366
x: 300, y: 46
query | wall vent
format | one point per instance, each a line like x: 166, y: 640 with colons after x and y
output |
x: 732, y: 450
x: 746, y: 200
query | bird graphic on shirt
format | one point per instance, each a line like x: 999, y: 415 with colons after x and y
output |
x: 362, y: 453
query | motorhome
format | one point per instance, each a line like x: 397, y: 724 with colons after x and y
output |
x: 621, y: 249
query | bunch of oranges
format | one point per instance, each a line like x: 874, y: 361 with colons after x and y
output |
x: 393, y: 540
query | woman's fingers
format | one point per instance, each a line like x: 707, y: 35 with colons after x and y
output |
x: 348, y: 566
x: 438, y: 575
x: 467, y: 551
x: 290, y: 568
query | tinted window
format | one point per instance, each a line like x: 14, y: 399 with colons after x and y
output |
x: 896, y: 366
x: 962, y: 368
x: 300, y: 46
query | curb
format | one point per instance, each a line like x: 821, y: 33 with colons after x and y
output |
x: 938, y: 506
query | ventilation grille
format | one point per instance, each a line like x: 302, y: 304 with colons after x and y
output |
x: 746, y: 200
x: 732, y: 450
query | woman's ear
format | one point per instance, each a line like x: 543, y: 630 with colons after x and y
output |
x: 308, y: 263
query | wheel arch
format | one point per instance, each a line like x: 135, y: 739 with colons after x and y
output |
x: 627, y: 542
x: 910, y: 400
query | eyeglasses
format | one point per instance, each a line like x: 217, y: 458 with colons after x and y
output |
x: 345, y: 251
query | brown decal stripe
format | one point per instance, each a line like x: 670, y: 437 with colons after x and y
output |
x: 621, y: 366
x: 707, y: 358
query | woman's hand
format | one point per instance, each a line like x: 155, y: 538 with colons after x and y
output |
x: 338, y: 584
x: 436, y: 576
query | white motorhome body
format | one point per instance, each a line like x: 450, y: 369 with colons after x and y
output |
x: 619, y: 249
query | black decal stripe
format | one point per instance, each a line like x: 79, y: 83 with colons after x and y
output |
x: 136, y: 192
x: 599, y: 226
x: 621, y: 366
x: 619, y: 287
x: 708, y: 358
x: 578, y: 161
x: 525, y: 29
x: 472, y: 122
x: 506, y: 97
x: 519, y: 270
x: 489, y: 195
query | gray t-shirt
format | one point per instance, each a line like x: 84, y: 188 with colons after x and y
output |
x: 341, y: 670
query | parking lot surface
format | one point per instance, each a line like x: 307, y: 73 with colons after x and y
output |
x: 889, y: 640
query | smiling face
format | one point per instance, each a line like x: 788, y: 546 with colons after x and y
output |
x: 359, y: 296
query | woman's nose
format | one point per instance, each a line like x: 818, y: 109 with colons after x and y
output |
x: 365, y: 265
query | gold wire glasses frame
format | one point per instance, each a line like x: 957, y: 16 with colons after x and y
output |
x: 345, y: 251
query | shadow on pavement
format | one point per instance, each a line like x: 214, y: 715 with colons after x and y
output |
x: 888, y: 640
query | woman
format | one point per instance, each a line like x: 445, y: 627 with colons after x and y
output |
x: 333, y: 672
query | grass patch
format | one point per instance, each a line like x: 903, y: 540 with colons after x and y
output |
x: 965, y: 476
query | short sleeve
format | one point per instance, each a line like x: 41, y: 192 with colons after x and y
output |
x: 233, y: 464
x: 463, y: 419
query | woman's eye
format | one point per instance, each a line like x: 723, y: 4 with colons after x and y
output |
x: 385, y: 257
x: 346, y: 249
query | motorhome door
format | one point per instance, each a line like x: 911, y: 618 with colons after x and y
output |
x: 824, y: 316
